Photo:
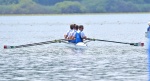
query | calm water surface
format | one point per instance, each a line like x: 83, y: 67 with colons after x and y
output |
x: 100, y: 61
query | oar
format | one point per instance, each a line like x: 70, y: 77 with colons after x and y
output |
x: 34, y: 44
x: 134, y: 44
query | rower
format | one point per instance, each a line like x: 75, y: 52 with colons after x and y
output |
x: 79, y: 35
x: 147, y: 34
x: 67, y: 36
x: 73, y: 33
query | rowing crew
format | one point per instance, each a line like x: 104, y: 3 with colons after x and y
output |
x: 75, y: 34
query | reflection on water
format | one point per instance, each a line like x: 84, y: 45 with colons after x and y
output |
x: 100, y: 61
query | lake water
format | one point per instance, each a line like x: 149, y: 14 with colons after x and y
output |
x: 100, y: 61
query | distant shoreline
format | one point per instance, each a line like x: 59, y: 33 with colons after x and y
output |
x: 73, y: 14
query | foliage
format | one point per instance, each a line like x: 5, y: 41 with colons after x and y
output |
x: 72, y: 6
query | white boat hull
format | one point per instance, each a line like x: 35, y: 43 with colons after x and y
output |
x: 81, y: 44
x: 78, y: 45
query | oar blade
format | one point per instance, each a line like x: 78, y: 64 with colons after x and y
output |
x: 8, y: 47
x: 137, y: 44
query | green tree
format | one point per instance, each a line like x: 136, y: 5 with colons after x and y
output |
x: 94, y: 6
x: 69, y: 7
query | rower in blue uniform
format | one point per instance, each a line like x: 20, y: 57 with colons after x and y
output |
x: 79, y: 35
x: 74, y: 34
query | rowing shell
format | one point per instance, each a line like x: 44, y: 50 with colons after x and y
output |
x: 81, y: 44
x: 78, y: 45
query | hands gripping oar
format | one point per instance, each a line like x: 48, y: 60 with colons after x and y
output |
x: 34, y: 44
x: 133, y: 44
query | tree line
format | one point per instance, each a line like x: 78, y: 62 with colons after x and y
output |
x: 72, y: 6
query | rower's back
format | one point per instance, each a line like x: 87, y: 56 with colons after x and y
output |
x: 78, y: 37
